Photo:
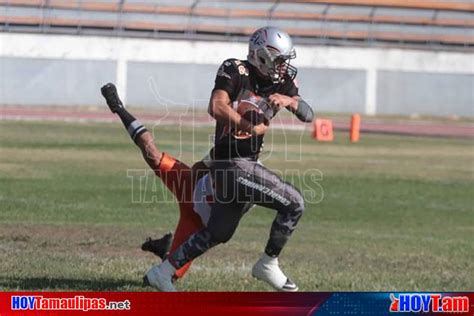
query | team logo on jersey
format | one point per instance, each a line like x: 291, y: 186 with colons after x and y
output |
x: 221, y: 72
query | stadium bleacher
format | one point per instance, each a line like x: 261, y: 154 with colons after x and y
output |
x: 433, y: 24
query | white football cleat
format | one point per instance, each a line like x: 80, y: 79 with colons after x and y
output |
x: 160, y: 276
x: 266, y: 269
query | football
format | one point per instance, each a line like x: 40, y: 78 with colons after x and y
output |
x: 250, y: 110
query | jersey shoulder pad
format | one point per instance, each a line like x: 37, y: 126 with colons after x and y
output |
x: 233, y: 67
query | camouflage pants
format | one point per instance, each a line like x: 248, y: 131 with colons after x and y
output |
x: 239, y: 184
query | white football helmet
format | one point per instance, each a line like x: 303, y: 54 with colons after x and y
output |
x: 270, y: 51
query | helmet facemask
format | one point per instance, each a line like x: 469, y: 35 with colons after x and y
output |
x: 282, y: 67
x: 274, y: 65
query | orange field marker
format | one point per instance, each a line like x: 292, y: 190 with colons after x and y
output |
x: 355, y: 128
x: 323, y: 130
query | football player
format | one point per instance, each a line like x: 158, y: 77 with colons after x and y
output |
x: 240, y: 180
x: 187, y: 184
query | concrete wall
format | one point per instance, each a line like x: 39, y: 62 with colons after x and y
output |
x: 425, y: 93
x: 173, y: 84
x: 40, y: 69
x: 333, y: 90
x: 39, y: 81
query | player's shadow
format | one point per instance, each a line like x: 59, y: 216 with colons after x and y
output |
x: 68, y: 284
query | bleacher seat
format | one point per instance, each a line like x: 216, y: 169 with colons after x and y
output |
x: 425, y: 23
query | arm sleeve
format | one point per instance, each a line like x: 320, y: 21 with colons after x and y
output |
x: 228, y: 78
x: 304, y: 112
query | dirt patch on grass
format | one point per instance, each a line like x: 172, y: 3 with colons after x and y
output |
x: 100, y: 241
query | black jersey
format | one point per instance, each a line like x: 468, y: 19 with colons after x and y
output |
x: 240, y: 80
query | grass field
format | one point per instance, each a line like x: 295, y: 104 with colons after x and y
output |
x: 397, y: 212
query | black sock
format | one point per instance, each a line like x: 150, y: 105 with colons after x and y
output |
x: 276, y: 242
x: 272, y: 251
x: 133, y: 126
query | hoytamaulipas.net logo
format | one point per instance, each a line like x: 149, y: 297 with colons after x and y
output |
x: 426, y: 302
x: 77, y: 302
